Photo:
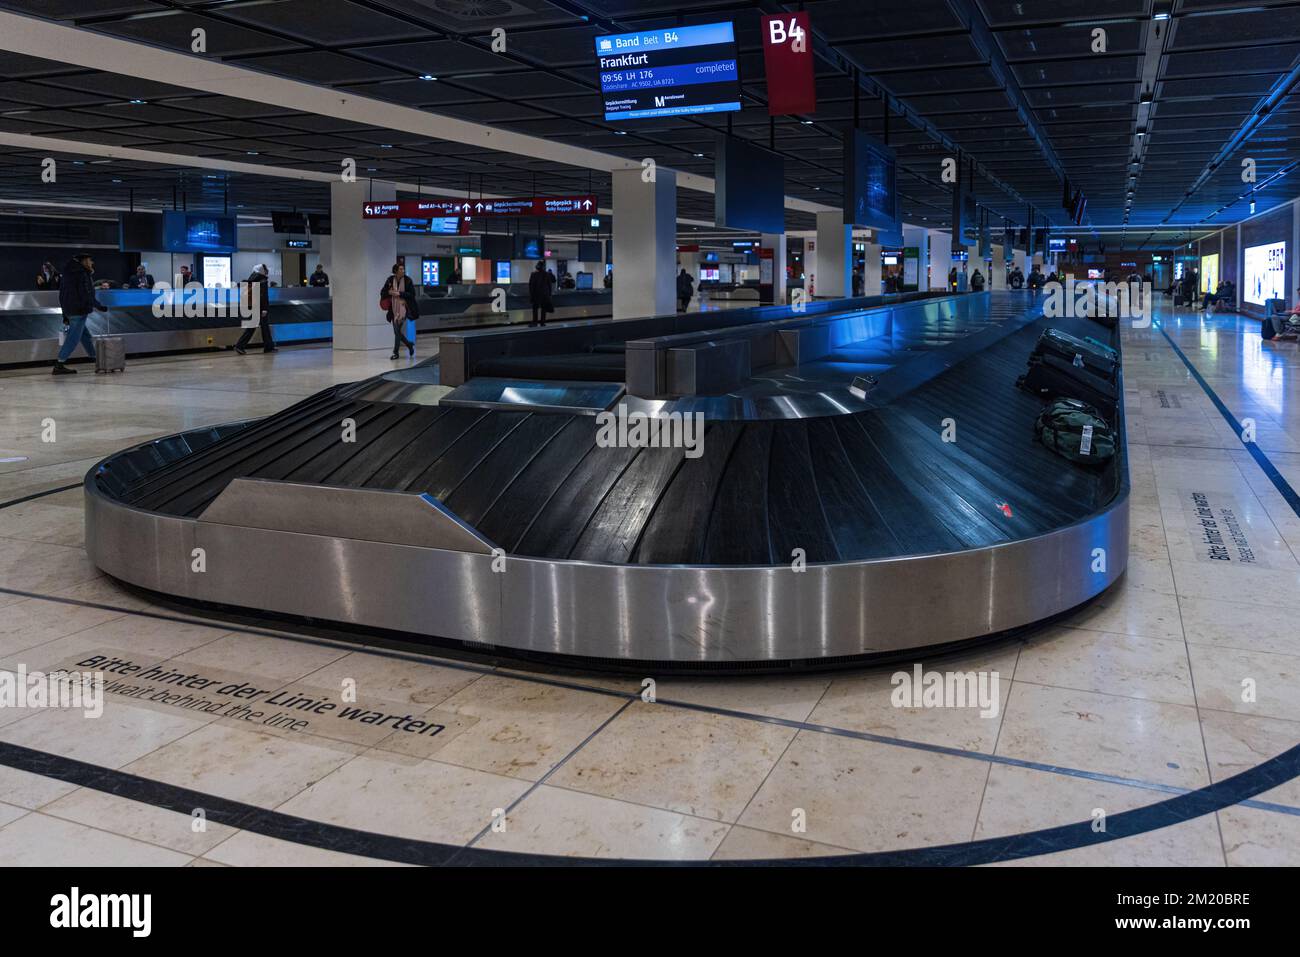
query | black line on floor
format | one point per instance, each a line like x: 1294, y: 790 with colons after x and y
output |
x: 36, y: 495
x: 346, y: 840
x: 1261, y: 459
x: 631, y: 695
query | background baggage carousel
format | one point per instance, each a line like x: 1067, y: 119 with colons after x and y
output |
x: 847, y: 527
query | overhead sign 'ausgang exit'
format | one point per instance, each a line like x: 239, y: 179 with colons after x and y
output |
x: 669, y: 72
x: 579, y: 205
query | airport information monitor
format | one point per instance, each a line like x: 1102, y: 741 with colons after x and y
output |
x: 669, y: 72
x: 429, y: 272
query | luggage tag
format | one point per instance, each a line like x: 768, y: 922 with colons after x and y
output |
x: 1078, y: 360
x: 1085, y: 441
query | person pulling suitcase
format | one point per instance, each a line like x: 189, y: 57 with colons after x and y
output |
x: 77, y: 300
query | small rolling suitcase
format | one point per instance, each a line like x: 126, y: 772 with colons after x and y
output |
x: 1078, y: 352
x: 1050, y: 377
x: 110, y: 352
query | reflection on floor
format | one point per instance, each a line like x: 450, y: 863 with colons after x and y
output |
x: 1185, y: 674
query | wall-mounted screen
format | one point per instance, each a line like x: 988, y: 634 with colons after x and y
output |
x: 503, y: 270
x: 139, y: 232
x: 708, y: 274
x: 186, y: 232
x: 319, y: 223
x: 429, y: 272
x: 1264, y: 272
x: 1094, y: 273
x: 293, y: 224
x: 669, y: 72
x: 216, y: 272
x: 589, y: 250
x: 583, y: 280
x: 529, y: 247
x: 749, y: 187
x: 1209, y: 272
x: 870, y: 183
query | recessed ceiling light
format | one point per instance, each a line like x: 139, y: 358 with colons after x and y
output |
x: 806, y: 122
x: 699, y: 156
x: 385, y: 146
x: 428, y: 76
x: 252, y: 153
x: 620, y: 132
x: 137, y: 102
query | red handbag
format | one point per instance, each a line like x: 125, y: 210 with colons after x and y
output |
x: 385, y: 304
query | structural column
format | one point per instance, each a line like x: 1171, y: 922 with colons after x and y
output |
x: 871, y: 270
x: 645, y: 243
x: 998, y: 269
x: 776, y: 243
x: 917, y: 237
x: 1019, y: 260
x: 362, y: 253
x: 834, y: 256
x: 940, y: 258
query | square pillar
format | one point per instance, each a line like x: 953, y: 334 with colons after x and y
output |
x: 776, y: 243
x: 916, y: 237
x: 834, y: 256
x: 362, y: 253
x: 940, y: 259
x: 1018, y: 259
x: 998, y: 270
x: 871, y: 270
x: 645, y: 243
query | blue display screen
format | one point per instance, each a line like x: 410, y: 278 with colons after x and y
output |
x: 669, y: 72
x: 503, y: 270
x: 188, y: 232
x: 429, y: 272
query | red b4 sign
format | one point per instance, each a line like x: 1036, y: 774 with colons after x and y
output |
x: 788, y: 59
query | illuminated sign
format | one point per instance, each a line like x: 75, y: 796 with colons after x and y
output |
x: 788, y: 62
x: 669, y: 72
x: 1264, y: 268
x: 576, y: 205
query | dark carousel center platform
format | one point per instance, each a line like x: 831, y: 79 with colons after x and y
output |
x: 867, y: 485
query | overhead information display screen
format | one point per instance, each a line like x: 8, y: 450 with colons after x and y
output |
x: 669, y: 72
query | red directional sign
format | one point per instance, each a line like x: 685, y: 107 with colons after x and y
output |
x: 578, y: 205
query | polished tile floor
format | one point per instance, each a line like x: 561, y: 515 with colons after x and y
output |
x: 1183, y: 675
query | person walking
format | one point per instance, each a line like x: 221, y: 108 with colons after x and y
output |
x: 256, y: 287
x: 685, y: 290
x: 539, y: 294
x: 398, y: 297
x: 77, y: 300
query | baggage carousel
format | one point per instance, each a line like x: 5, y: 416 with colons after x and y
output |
x: 867, y: 485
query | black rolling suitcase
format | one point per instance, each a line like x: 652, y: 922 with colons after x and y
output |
x: 1078, y: 352
x: 1050, y: 377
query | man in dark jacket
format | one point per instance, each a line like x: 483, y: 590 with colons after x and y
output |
x: 685, y: 290
x: 539, y: 294
x: 319, y: 279
x: 256, y: 293
x: 140, y: 279
x: 76, y: 300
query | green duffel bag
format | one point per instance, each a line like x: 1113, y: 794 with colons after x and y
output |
x: 1073, y: 429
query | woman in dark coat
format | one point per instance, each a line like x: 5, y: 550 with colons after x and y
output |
x: 399, y: 292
